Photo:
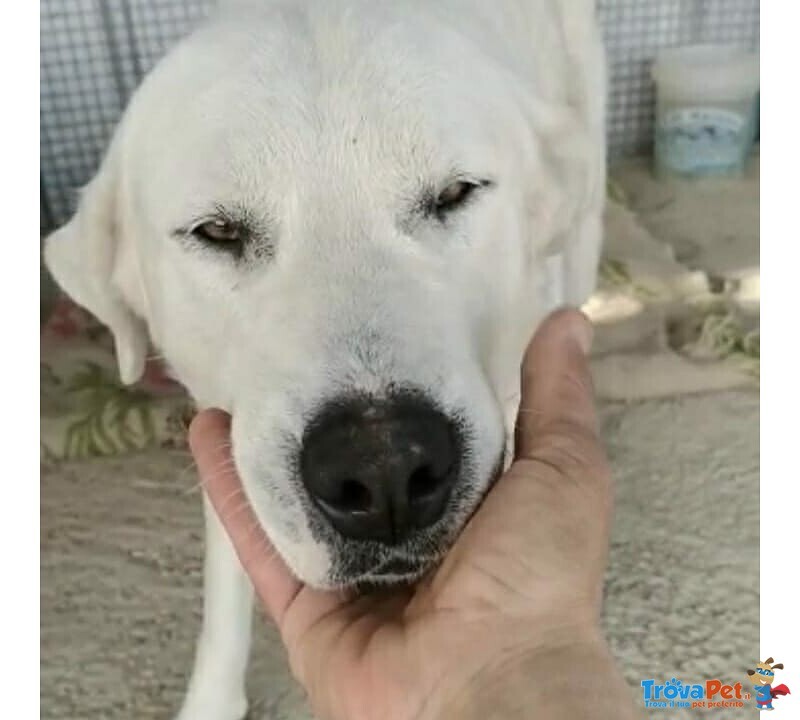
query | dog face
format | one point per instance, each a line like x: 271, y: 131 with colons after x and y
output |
x: 335, y: 231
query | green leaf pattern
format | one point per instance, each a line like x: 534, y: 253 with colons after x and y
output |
x: 97, y: 416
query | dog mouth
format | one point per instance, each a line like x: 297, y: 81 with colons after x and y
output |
x: 395, y: 572
x: 358, y: 564
x: 364, y: 566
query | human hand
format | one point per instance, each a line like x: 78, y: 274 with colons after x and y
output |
x: 510, y: 620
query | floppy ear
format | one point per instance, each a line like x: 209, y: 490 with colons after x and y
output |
x: 84, y: 257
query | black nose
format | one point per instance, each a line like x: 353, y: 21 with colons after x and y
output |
x: 378, y: 470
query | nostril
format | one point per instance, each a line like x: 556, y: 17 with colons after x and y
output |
x: 353, y: 497
x: 424, y: 483
x: 380, y: 470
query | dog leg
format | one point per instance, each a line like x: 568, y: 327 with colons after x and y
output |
x: 217, y: 685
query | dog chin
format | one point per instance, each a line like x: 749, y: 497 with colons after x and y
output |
x: 364, y: 565
x: 393, y: 574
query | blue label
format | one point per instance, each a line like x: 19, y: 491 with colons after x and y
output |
x: 701, y: 140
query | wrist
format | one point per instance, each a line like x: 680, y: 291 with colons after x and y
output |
x: 568, y: 673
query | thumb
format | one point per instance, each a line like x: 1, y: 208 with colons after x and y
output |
x: 557, y: 402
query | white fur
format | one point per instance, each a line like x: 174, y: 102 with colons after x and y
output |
x: 324, y: 119
x: 216, y: 689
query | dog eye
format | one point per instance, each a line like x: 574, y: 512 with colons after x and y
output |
x: 454, y: 196
x: 220, y: 232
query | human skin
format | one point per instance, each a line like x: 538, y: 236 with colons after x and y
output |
x: 508, y: 626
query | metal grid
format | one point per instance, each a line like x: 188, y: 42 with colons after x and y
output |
x: 95, y: 52
x: 635, y: 30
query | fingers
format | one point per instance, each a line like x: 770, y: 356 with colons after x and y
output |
x: 209, y: 439
x: 557, y: 397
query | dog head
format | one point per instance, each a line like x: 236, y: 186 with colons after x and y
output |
x: 334, y: 228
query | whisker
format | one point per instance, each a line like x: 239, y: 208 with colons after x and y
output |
x: 222, y: 466
x: 235, y: 494
x: 225, y: 464
x: 230, y: 514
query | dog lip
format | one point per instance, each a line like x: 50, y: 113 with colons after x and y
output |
x: 400, y: 566
x: 395, y: 571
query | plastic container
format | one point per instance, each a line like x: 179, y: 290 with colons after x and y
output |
x: 705, y: 110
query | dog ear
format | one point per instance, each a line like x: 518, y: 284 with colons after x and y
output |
x: 751, y: 672
x: 85, y: 257
x: 777, y: 666
x: 768, y: 661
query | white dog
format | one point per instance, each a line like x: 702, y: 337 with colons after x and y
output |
x: 341, y: 221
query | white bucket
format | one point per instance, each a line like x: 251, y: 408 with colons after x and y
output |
x: 705, y: 109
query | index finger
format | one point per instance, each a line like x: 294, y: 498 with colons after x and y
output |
x: 209, y: 438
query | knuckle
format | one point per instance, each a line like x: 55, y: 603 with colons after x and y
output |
x: 573, y: 451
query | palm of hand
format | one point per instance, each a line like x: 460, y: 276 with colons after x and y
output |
x: 387, y: 655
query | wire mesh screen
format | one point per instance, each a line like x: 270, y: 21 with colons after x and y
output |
x: 95, y: 52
